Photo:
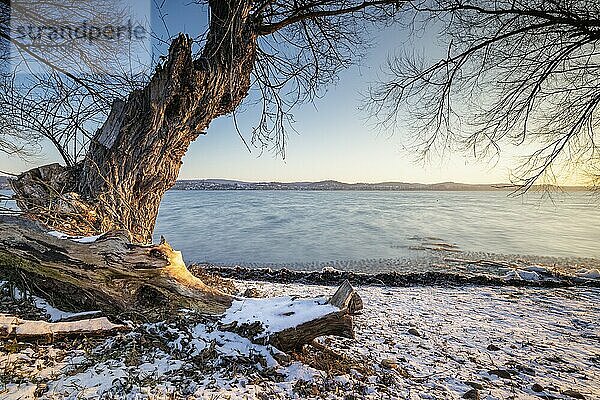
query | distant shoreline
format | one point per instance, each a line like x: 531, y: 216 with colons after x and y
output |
x: 331, y: 185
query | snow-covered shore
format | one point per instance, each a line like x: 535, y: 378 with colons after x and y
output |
x: 416, y: 342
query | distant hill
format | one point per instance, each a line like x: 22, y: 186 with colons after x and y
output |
x: 224, y: 184
x: 227, y: 184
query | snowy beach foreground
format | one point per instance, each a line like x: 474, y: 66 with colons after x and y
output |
x: 411, y: 343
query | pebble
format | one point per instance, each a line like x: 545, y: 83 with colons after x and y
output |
x: 414, y: 332
x: 253, y: 293
x: 493, y: 347
x: 315, y: 390
x: 389, y: 363
x: 501, y: 373
x: 527, y: 370
x: 282, y: 358
x: 537, y: 388
x: 472, y: 394
x: 574, y: 394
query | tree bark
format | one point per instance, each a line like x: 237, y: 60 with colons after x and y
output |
x: 109, y: 274
x: 136, y: 155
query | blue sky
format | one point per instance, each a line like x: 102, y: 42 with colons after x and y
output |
x: 334, y: 139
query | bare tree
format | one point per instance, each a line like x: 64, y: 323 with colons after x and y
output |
x: 515, y: 72
x: 122, y: 139
x: 273, y: 54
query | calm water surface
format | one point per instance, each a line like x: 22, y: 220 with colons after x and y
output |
x: 286, y: 227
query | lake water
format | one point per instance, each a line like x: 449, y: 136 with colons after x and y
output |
x: 304, y: 228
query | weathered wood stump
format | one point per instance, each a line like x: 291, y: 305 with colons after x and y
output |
x: 337, y: 323
x: 290, y: 323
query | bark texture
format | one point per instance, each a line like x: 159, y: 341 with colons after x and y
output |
x: 109, y: 274
x: 136, y: 155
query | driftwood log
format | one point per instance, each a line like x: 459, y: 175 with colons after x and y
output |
x: 124, y: 280
x: 109, y: 274
x: 25, y: 330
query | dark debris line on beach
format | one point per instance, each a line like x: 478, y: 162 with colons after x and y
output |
x: 334, y: 277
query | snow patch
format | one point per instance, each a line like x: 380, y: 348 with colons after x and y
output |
x: 540, y: 269
x: 278, y: 313
x: 79, y: 239
x: 522, y: 275
x: 56, y: 315
x: 19, y: 392
x: 526, y: 326
x: 588, y: 273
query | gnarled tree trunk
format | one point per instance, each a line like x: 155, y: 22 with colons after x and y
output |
x: 136, y: 155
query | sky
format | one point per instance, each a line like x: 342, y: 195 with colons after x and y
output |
x: 334, y: 138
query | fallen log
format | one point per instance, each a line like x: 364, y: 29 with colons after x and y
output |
x: 26, y: 330
x: 110, y: 274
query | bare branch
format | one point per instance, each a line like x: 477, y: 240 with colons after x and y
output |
x: 515, y: 73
